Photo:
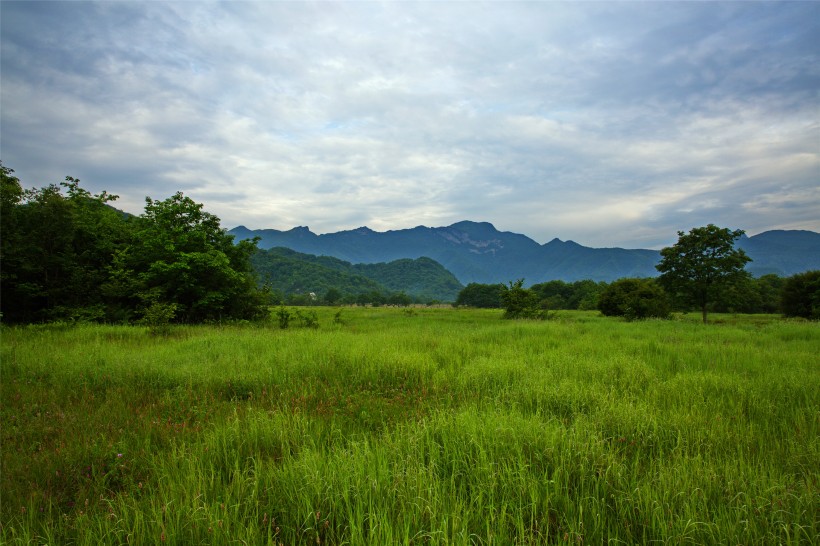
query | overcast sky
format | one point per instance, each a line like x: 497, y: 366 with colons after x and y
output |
x: 610, y: 124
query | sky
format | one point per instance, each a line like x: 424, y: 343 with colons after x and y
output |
x: 612, y: 124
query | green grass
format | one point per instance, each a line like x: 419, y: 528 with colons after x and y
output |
x: 435, y: 426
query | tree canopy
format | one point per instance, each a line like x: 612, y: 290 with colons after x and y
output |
x: 634, y: 299
x: 487, y: 296
x: 520, y: 302
x: 68, y: 255
x: 801, y: 295
x: 701, y: 264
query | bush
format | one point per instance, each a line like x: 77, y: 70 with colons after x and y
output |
x: 801, y: 295
x: 307, y: 319
x: 158, y: 317
x: 486, y: 296
x: 634, y: 299
x: 520, y: 302
x: 283, y: 314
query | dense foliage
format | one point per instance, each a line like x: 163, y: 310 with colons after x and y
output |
x: 582, y: 295
x: 68, y: 255
x: 702, y: 264
x: 801, y: 295
x: 634, y: 299
x: 482, y: 296
x: 748, y: 295
x: 520, y: 302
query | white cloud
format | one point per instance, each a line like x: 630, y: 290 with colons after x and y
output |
x: 609, y: 124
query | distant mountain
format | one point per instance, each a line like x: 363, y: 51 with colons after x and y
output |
x: 292, y: 272
x: 478, y: 252
x: 782, y: 252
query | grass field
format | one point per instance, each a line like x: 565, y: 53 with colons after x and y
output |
x: 424, y: 426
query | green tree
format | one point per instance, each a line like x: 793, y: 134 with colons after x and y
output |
x: 57, y: 245
x: 486, y: 296
x: 399, y: 299
x: 801, y: 295
x: 701, y: 264
x: 553, y: 294
x: 769, y: 289
x: 520, y: 302
x: 11, y: 194
x: 179, y: 254
x: 634, y: 299
x: 332, y: 296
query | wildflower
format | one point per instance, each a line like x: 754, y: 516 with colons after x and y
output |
x: 119, y: 455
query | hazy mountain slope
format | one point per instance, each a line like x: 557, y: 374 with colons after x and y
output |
x: 782, y: 252
x: 478, y: 252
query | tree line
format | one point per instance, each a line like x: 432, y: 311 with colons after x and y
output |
x: 703, y: 271
x: 67, y: 254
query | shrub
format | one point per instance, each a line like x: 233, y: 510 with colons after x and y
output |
x: 158, y: 317
x: 283, y: 314
x: 634, y: 299
x: 801, y: 295
x: 520, y: 302
x: 487, y: 296
x: 307, y: 319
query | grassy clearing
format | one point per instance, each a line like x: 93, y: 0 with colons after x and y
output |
x: 433, y: 426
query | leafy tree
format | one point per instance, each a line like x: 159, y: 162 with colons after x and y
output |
x: 181, y: 255
x: 332, y: 296
x: 486, y: 296
x: 801, y: 295
x: 56, y: 250
x: 11, y: 194
x: 399, y: 299
x: 520, y: 302
x: 553, y: 294
x: 634, y: 299
x: 702, y: 264
x: 558, y: 294
x: 68, y: 254
x: 769, y: 288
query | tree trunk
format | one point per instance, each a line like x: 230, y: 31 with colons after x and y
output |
x: 703, y: 309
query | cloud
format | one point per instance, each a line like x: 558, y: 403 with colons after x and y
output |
x: 610, y: 124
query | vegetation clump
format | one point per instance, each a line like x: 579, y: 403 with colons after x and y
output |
x: 801, y: 295
x: 481, y: 296
x: 67, y: 253
x: 634, y: 299
x: 521, y: 303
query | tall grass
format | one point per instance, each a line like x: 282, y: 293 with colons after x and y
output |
x: 437, y: 426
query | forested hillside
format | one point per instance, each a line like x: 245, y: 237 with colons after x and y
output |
x: 289, y: 273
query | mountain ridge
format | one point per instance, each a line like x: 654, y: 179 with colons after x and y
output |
x: 479, y: 252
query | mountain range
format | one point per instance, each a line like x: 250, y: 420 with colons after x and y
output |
x: 478, y: 252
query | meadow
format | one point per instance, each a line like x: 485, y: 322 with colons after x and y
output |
x: 413, y: 426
